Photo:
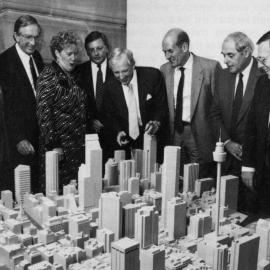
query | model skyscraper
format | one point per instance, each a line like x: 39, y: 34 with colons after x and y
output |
x: 22, y: 182
x: 52, y: 174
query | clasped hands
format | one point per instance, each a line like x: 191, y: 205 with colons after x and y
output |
x: 151, y: 128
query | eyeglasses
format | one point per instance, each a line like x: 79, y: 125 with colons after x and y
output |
x: 262, y: 60
x: 30, y: 38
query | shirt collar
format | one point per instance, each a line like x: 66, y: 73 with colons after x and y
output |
x: 246, y: 71
x: 21, y: 53
x: 103, y: 65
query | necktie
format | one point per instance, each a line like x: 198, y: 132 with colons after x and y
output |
x: 99, y: 88
x: 33, y: 70
x: 238, y: 98
x: 178, y: 124
x: 133, y: 124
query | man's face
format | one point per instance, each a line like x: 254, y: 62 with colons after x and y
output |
x: 27, y: 38
x: 122, y: 70
x: 174, y: 54
x: 97, y: 51
x: 235, y: 61
x: 264, y: 57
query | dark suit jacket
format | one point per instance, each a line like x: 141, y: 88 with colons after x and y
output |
x: 221, y: 111
x: 256, y: 132
x: 203, y: 83
x: 84, y: 76
x: 152, y: 99
x: 20, y: 102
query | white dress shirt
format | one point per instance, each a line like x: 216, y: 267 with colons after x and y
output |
x: 134, y: 83
x: 94, y: 68
x: 25, y: 58
x: 186, y: 90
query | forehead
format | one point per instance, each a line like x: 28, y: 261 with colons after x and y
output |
x: 229, y: 46
x: 70, y: 48
x: 29, y: 29
x: 96, y: 43
x: 264, y: 48
x: 120, y: 63
x: 169, y: 42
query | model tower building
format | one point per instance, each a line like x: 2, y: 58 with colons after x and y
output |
x: 191, y: 174
x: 150, y: 154
x: 263, y: 230
x: 52, y: 174
x: 127, y: 170
x: 146, y: 226
x: 22, y: 182
x: 176, y: 218
x: 93, y: 162
x: 125, y: 255
x: 170, y: 177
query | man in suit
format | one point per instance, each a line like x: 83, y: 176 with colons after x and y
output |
x: 256, y: 149
x: 20, y: 67
x: 190, y: 82
x: 91, y: 76
x: 135, y: 100
x: 233, y: 95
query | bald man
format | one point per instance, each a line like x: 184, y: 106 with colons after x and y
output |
x: 190, y: 82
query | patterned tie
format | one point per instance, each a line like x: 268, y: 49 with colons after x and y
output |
x: 178, y: 123
x: 99, y: 88
x: 134, y: 131
x: 33, y: 70
x: 238, y: 98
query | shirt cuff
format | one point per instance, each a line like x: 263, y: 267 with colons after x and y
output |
x: 226, y: 142
x: 248, y: 169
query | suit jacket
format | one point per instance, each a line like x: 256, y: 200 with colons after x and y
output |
x: 84, y: 76
x: 256, y: 139
x: 221, y: 111
x: 203, y: 83
x: 152, y: 99
x: 19, y: 98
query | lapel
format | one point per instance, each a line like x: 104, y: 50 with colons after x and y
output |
x: 120, y: 98
x: 196, y: 83
x: 227, y: 94
x: 252, y: 79
x: 169, y: 79
x: 142, y: 90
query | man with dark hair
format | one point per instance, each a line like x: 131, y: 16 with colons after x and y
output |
x: 20, y: 67
x: 190, y: 83
x: 92, y: 76
x: 233, y: 95
x: 256, y: 149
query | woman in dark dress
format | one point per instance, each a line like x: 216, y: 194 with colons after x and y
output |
x: 61, y: 109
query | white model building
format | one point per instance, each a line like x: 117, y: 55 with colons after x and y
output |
x: 170, y: 177
x: 244, y: 253
x: 191, y: 174
x: 137, y: 155
x: 22, y: 182
x: 146, y: 226
x: 79, y: 223
x: 263, y: 230
x: 214, y: 254
x: 229, y: 192
x: 93, y: 162
x: 125, y: 254
x: 111, y: 213
x: 155, y: 181
x: 150, y: 154
x: 133, y: 185
x: 152, y: 258
x: 176, y: 218
x: 111, y: 172
x: 106, y: 237
x: 202, y: 185
x: 119, y: 155
x: 87, y: 189
x: 127, y: 170
x: 199, y: 225
x: 6, y: 198
x: 52, y: 174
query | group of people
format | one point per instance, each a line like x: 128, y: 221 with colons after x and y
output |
x: 190, y: 102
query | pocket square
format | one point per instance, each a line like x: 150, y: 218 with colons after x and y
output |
x: 148, y: 96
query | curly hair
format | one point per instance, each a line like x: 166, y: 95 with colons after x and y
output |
x: 63, y: 39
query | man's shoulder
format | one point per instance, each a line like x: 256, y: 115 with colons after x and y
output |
x: 147, y: 71
x: 166, y: 67
x: 9, y: 52
x: 205, y: 62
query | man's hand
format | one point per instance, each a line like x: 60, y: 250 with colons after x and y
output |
x: 152, y: 127
x: 247, y: 178
x: 234, y: 149
x: 97, y: 125
x: 122, y: 138
x: 25, y: 148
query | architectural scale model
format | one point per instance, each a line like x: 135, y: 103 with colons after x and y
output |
x: 138, y: 220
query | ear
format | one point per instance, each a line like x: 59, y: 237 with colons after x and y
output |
x: 247, y: 52
x: 185, y: 47
x: 57, y: 53
x: 15, y: 36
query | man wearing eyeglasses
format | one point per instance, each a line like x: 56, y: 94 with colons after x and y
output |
x: 256, y: 150
x: 21, y: 65
x: 232, y: 98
